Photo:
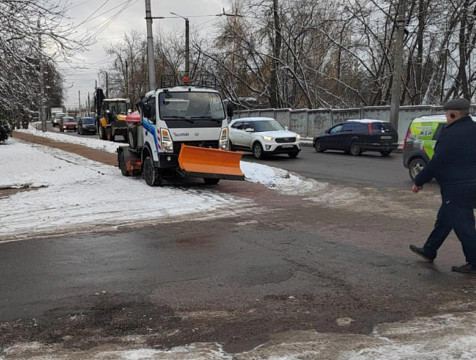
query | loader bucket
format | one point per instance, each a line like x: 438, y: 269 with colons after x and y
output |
x: 210, y: 163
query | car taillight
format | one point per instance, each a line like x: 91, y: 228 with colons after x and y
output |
x: 406, y: 137
x: 370, y: 129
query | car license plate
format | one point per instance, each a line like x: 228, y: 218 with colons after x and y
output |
x: 385, y: 137
x: 288, y: 146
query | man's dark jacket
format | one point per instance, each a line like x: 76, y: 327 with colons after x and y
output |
x: 454, y: 161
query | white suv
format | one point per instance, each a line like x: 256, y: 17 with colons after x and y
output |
x: 263, y: 136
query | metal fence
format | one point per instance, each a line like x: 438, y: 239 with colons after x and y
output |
x: 310, y: 122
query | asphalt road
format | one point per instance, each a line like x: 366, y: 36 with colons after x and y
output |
x: 368, y: 169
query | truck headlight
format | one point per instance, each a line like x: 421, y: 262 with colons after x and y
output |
x: 223, y: 143
x: 166, y: 140
x: 298, y: 137
x: 268, y: 138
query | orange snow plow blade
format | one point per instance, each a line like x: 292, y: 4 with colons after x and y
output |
x: 210, y: 163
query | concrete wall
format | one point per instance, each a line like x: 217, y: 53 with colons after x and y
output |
x: 310, y: 122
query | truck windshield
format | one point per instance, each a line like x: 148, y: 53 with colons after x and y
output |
x: 191, y: 105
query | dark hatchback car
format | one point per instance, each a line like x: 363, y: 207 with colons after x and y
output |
x: 357, y: 136
x: 87, y: 125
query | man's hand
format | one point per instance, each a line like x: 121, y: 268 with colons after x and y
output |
x: 416, y: 189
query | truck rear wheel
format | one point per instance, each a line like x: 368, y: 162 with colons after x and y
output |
x: 151, y: 173
x: 122, y: 164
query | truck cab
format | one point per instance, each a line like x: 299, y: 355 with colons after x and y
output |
x: 183, y: 129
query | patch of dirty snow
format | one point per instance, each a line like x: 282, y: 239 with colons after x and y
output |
x: 80, y: 194
x: 445, y: 337
x: 94, y: 143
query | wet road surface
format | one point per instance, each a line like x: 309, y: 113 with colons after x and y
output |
x: 287, y: 265
x: 368, y: 169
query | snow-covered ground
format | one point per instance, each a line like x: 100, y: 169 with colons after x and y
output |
x: 273, y: 178
x: 93, y: 143
x: 442, y: 337
x: 399, y: 203
x: 74, y: 193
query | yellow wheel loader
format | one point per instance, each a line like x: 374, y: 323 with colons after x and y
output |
x: 111, y: 118
x: 180, y: 130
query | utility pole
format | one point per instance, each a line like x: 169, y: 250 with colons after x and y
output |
x: 89, y: 105
x: 187, y: 44
x: 187, y: 48
x: 150, y: 46
x: 107, y: 85
x: 79, y: 102
x: 397, y: 64
x: 41, y: 105
x: 127, y: 80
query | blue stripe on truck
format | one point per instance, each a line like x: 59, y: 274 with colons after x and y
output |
x: 151, y: 129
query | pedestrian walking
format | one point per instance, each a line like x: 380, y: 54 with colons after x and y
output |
x: 454, y: 167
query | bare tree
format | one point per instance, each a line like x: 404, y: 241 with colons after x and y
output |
x: 22, y: 60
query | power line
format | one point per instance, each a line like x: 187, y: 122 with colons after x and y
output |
x: 93, y: 13
x: 114, y: 17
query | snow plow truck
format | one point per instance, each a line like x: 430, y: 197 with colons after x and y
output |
x: 180, y: 130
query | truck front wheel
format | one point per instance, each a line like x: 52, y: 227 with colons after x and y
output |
x: 151, y: 173
x: 211, y: 181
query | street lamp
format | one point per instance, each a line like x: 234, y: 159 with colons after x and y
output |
x: 187, y: 44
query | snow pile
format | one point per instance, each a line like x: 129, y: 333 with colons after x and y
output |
x: 93, y: 143
x: 278, y: 179
x: 78, y: 194
x: 287, y: 183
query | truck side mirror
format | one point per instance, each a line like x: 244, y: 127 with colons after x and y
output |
x: 146, y: 111
x: 229, y: 110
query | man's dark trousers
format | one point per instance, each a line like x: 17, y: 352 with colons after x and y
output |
x: 456, y: 213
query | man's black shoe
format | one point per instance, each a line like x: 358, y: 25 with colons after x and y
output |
x: 465, y: 269
x: 420, y: 252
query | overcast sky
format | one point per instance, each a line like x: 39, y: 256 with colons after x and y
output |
x: 112, y: 18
